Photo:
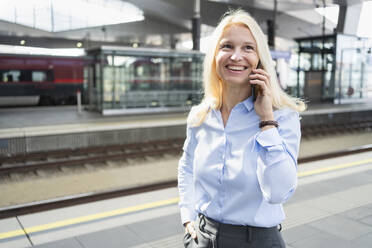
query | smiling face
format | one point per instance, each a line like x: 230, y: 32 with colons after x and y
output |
x: 236, y: 55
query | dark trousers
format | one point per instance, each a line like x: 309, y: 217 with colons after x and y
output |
x: 212, y: 234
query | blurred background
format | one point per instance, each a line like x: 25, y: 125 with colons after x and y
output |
x: 94, y: 96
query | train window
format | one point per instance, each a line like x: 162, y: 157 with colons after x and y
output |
x: 7, y: 76
x: 10, y: 76
x: 39, y: 76
x: 26, y: 76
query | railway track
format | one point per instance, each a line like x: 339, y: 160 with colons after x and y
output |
x: 34, y: 207
x: 99, y: 154
x: 66, y: 158
x: 69, y: 157
x: 310, y: 130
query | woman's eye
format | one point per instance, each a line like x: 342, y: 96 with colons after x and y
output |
x: 249, y: 48
x: 225, y: 46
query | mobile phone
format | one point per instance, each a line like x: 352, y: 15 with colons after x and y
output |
x: 253, y: 86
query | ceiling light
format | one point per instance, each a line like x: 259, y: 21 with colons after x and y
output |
x: 330, y: 12
x: 41, y: 51
x: 57, y: 15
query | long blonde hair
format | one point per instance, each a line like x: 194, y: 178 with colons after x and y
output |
x: 213, y: 85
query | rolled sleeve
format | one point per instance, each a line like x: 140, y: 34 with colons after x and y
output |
x: 269, y: 138
x: 277, y: 160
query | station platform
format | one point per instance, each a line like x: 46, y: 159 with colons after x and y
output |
x: 44, y: 117
x: 34, y: 129
x: 332, y: 207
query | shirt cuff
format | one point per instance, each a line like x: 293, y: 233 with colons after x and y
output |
x: 187, y: 215
x: 269, y: 137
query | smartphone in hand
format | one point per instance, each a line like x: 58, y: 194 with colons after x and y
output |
x: 253, y: 86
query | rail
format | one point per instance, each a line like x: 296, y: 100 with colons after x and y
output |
x: 336, y: 127
x: 67, y: 157
x: 34, y: 207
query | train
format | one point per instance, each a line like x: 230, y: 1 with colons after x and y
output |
x: 40, y: 79
x: 106, y: 77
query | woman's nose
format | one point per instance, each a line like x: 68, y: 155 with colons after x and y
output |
x: 236, y: 55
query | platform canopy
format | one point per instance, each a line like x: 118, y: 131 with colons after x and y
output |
x: 64, y: 23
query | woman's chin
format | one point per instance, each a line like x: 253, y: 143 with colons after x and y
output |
x: 238, y: 83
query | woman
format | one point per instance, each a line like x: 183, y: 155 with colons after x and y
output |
x: 240, y: 156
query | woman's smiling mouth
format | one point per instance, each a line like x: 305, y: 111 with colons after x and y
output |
x: 236, y: 67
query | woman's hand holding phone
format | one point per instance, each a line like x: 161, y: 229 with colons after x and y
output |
x: 263, y: 104
x: 253, y: 86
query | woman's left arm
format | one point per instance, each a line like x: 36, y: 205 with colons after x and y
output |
x: 277, y: 160
x: 278, y: 147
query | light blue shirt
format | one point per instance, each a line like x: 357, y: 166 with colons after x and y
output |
x: 239, y: 174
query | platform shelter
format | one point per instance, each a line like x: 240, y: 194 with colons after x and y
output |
x: 123, y: 80
x: 334, y: 68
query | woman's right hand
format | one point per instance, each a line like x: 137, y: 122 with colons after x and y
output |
x: 190, y: 228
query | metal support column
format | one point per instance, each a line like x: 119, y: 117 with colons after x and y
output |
x: 271, y: 23
x: 196, y: 26
x: 274, y: 22
x: 322, y: 54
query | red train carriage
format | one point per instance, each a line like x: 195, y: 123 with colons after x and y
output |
x: 42, y: 79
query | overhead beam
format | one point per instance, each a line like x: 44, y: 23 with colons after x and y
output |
x: 348, y: 19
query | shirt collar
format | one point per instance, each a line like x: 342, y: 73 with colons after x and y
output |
x: 248, y: 103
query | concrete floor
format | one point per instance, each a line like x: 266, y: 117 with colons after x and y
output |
x: 330, y: 208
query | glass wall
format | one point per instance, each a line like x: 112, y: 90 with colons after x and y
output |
x: 336, y: 68
x: 354, y: 69
x: 316, y: 68
x: 144, y: 78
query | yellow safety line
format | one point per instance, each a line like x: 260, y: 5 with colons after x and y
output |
x: 145, y: 206
x: 87, y: 218
x: 11, y: 234
x: 332, y: 168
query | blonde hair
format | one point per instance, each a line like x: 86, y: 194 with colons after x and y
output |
x: 213, y: 85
